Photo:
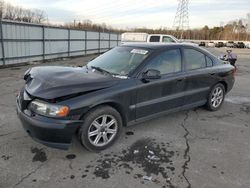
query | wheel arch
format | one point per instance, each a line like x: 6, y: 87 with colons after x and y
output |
x: 224, y: 83
x: 114, y: 105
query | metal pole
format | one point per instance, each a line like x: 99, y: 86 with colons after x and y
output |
x: 43, y: 43
x: 2, y: 41
x: 68, y: 42
x: 99, y: 42
x: 109, y: 40
x: 117, y: 42
x: 86, y: 35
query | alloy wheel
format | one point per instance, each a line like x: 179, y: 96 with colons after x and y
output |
x: 217, y: 97
x: 102, y: 130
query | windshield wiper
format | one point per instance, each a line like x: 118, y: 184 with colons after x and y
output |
x: 101, y: 70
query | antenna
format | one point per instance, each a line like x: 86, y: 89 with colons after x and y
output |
x: 181, y: 20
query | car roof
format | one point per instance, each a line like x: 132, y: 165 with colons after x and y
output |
x: 155, y: 46
x: 159, y: 46
x: 160, y: 35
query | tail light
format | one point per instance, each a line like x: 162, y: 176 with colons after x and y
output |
x: 234, y: 71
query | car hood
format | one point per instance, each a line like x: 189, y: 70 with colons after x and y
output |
x: 51, y: 82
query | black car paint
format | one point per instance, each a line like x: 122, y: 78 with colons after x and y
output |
x: 51, y: 132
x: 135, y: 99
x: 52, y: 82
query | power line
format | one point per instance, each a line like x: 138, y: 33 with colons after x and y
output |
x: 124, y: 10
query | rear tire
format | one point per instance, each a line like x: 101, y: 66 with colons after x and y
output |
x: 101, y: 127
x: 216, y: 97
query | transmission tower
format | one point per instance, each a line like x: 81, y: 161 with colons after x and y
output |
x: 181, y: 20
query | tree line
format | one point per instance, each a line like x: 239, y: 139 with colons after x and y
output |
x: 16, y: 13
x: 235, y: 30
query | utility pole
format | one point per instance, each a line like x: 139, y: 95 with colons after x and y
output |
x: 181, y: 20
x: 76, y: 23
x: 248, y: 26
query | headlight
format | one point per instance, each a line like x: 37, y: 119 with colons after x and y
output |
x: 47, y: 109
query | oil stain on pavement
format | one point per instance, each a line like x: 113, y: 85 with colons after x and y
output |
x: 145, y: 155
x: 6, y: 157
x: 129, y: 133
x: 70, y: 156
x: 245, y: 109
x: 40, y: 154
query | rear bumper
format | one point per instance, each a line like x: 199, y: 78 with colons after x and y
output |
x: 51, y: 132
x: 230, y: 84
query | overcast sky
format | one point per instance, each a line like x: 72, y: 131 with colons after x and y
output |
x: 139, y: 13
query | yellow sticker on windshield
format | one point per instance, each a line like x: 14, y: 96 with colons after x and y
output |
x: 139, y: 51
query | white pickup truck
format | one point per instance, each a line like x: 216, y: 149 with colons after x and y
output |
x: 150, y: 38
x: 144, y: 37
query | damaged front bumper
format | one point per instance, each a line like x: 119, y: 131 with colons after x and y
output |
x: 56, y: 133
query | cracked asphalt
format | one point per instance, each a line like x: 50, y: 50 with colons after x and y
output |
x: 194, y: 148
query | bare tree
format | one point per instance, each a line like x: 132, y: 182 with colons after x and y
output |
x: 10, y: 12
x: 29, y: 16
x: 2, y: 11
x: 20, y: 14
x: 40, y: 16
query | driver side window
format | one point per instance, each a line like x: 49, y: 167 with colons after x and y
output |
x: 166, y: 62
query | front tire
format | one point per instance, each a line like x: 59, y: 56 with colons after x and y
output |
x: 216, y: 97
x: 102, y: 126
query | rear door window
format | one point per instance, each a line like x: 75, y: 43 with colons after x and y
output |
x: 194, y: 59
x: 154, y: 39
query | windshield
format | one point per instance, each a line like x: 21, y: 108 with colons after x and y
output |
x: 120, y: 60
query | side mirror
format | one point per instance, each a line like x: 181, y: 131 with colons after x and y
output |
x: 151, y: 74
x: 223, y: 57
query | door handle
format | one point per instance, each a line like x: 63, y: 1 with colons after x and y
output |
x: 212, y: 73
x: 180, y: 79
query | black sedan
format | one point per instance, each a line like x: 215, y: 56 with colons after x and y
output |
x: 124, y: 86
x: 202, y: 44
x: 240, y: 45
